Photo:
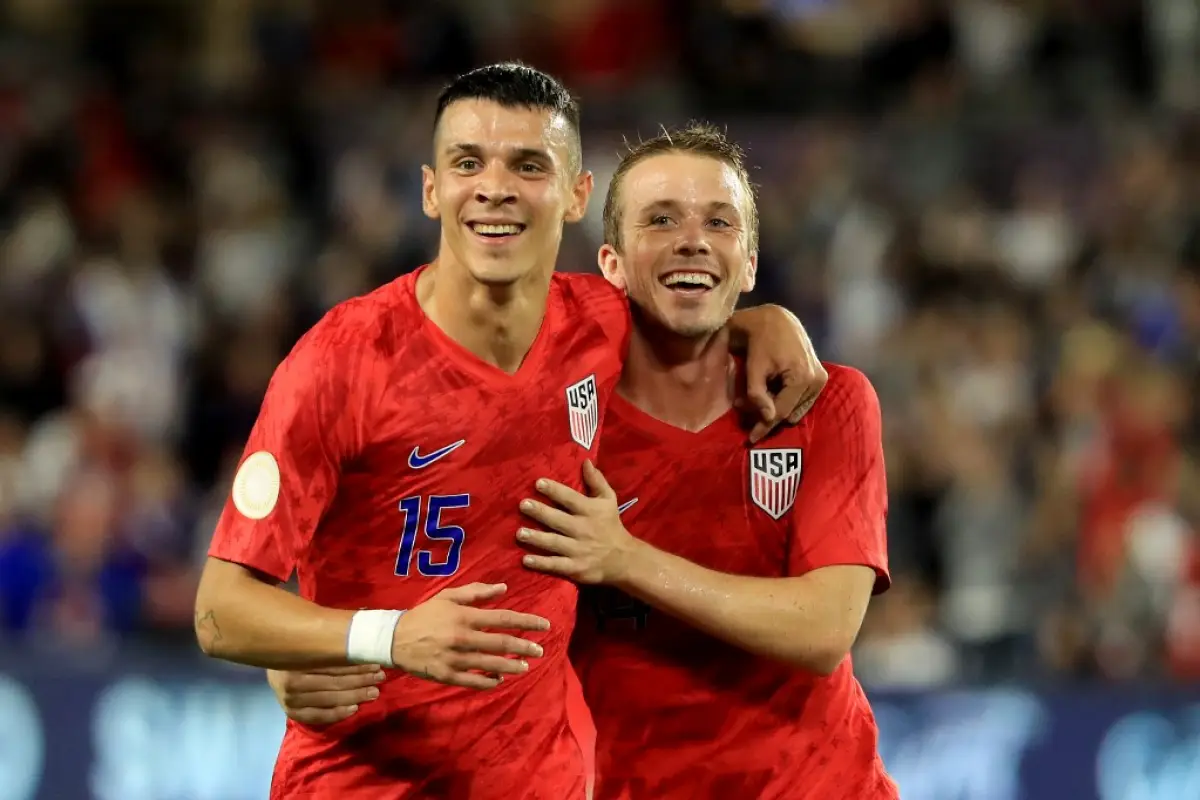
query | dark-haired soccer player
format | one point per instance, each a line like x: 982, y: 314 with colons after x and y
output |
x: 716, y: 663
x: 385, y: 458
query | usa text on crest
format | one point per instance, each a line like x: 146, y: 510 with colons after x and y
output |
x: 774, y: 479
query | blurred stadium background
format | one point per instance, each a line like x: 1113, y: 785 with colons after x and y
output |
x: 991, y: 206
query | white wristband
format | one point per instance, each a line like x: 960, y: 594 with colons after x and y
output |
x: 369, y: 640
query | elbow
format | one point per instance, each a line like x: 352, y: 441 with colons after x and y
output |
x: 207, y: 631
x: 206, y: 617
x: 824, y: 656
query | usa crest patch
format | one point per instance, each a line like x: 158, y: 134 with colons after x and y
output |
x: 774, y: 479
x: 583, y: 410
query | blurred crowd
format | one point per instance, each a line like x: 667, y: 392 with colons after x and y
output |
x: 990, y: 206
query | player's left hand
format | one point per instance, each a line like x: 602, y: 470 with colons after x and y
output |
x: 784, y: 375
x: 590, y: 545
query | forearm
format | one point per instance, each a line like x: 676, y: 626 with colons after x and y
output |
x: 746, y: 321
x: 788, y: 619
x: 242, y: 619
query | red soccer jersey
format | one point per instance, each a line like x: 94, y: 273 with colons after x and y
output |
x: 681, y: 715
x: 401, y: 459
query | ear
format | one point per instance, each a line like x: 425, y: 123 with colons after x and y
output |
x: 750, y: 273
x: 428, y: 194
x: 580, y: 194
x: 611, y: 266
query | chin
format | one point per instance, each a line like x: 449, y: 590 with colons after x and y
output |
x: 693, y: 328
x: 499, y: 272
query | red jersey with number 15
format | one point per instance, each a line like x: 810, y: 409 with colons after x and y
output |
x: 386, y: 464
x: 681, y: 715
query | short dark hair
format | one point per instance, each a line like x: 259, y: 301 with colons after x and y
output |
x: 696, y: 138
x: 515, y: 85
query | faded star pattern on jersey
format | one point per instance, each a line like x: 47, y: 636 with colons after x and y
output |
x: 400, y: 460
x: 681, y: 715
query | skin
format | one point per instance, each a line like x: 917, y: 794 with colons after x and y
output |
x: 497, y: 164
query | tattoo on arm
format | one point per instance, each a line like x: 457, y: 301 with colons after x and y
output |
x: 207, y: 629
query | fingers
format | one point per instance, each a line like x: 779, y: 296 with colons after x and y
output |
x: 356, y: 669
x: 322, y: 716
x: 500, y: 644
x: 787, y: 399
x: 550, y: 542
x: 552, y: 518
x: 491, y: 665
x: 802, y: 409
x: 306, y: 682
x: 471, y: 680
x: 596, y: 482
x: 557, y: 565
x: 563, y: 495
x: 332, y: 701
x: 474, y: 593
x: 505, y: 620
x: 795, y: 399
x: 758, y: 395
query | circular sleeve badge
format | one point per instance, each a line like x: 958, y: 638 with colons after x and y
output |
x: 256, y: 485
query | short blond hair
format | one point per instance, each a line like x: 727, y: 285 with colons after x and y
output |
x: 695, y: 138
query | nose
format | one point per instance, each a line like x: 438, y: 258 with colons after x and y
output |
x: 495, y: 187
x: 692, y: 241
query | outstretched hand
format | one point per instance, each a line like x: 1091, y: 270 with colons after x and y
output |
x: 447, y: 640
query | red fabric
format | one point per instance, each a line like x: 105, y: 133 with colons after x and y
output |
x: 681, y: 715
x: 372, y: 383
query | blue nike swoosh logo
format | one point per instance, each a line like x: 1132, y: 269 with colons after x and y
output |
x: 621, y: 509
x: 418, y: 461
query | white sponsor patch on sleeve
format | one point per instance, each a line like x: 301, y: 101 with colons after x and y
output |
x: 256, y: 485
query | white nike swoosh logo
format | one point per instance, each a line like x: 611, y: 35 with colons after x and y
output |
x: 621, y: 509
x: 418, y: 461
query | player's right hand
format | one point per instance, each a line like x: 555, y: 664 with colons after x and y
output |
x: 325, y: 696
x: 448, y: 641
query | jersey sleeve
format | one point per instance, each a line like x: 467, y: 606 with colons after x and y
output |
x: 308, y: 425
x: 840, y: 514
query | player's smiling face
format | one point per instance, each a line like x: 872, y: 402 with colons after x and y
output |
x: 685, y: 248
x: 503, y: 183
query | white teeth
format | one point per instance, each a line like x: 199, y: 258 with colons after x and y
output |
x: 698, y: 278
x: 496, y: 230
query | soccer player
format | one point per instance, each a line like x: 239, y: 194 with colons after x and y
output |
x: 717, y: 664
x: 385, y: 459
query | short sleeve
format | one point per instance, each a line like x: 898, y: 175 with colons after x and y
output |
x: 307, y: 428
x: 840, y: 515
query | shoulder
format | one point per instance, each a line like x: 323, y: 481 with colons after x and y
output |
x: 593, y: 292
x: 589, y: 297
x: 848, y: 394
x: 360, y: 329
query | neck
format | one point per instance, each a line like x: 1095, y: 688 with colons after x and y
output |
x: 498, y: 323
x: 683, y: 381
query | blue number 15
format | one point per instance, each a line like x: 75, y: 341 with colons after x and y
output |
x: 435, y: 531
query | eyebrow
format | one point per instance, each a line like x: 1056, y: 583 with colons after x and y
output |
x: 672, y: 205
x: 517, y: 154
